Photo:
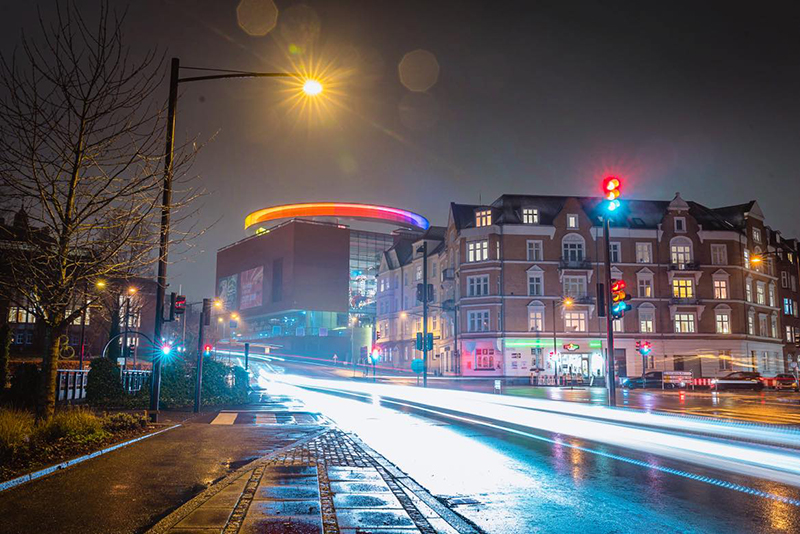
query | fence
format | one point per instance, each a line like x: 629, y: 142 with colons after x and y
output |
x: 71, y: 383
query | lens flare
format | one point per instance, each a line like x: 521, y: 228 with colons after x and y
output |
x: 312, y: 87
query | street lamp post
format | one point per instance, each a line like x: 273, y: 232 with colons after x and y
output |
x: 310, y: 87
x: 564, y: 302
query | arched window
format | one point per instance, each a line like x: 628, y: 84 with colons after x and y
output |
x: 647, y: 318
x: 680, y: 250
x: 572, y: 248
x: 536, y: 316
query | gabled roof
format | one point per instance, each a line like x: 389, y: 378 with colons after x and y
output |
x: 735, y: 214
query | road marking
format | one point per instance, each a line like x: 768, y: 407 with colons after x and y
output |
x: 225, y: 418
x: 266, y: 419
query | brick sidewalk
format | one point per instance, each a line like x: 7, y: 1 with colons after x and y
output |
x: 331, y: 483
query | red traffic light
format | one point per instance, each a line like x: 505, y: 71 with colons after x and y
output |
x: 611, y: 192
x: 207, y: 349
x: 618, y: 285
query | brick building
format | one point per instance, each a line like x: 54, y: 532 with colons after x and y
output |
x: 697, y: 295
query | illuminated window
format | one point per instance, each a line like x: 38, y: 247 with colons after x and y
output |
x: 483, y: 218
x: 647, y: 319
x: 684, y: 323
x: 477, y: 251
x: 774, y: 326
x: 536, y: 319
x: 618, y: 325
x: 723, y: 320
x: 644, y: 253
x: 746, y: 258
x: 530, y: 216
x: 683, y: 288
x: 751, y: 324
x: 761, y: 293
x: 762, y: 325
x: 575, y: 321
x: 772, y: 301
x: 572, y: 221
x: 681, y: 252
x: 645, y: 285
x: 720, y: 288
x: 748, y: 290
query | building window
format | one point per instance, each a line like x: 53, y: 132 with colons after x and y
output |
x: 645, y: 286
x: 530, y: 216
x: 723, y: 322
x: 418, y: 273
x: 478, y: 321
x: 772, y: 295
x: 572, y: 248
x: 644, y: 253
x: 751, y: 324
x: 647, y: 320
x: 788, y: 306
x: 789, y: 334
x: 680, y: 224
x: 756, y: 235
x: 483, y: 218
x: 536, y: 284
x: 477, y: 251
x: 683, y: 288
x: 746, y: 258
x: 719, y: 254
x: 720, y: 289
x: 618, y: 325
x: 748, y: 290
x: 536, y: 319
x: 477, y: 286
x: 575, y: 321
x: 773, y: 326
x: 725, y: 360
x: 681, y: 253
x: 615, y: 253
x: 572, y: 221
x: 535, y: 251
x: 761, y: 293
x: 762, y: 325
x: 434, y: 270
x: 17, y: 314
x: 684, y: 323
x: 575, y: 286
x: 784, y: 279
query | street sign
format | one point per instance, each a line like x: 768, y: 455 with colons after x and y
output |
x: 416, y: 365
x: 682, y: 378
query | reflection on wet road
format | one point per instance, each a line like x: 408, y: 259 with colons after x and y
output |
x: 507, y: 479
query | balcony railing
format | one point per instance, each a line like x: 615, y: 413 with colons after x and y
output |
x: 687, y: 266
x: 684, y: 301
x: 571, y: 263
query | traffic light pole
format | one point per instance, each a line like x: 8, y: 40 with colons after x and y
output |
x: 425, y: 314
x: 198, y: 383
x: 610, y: 373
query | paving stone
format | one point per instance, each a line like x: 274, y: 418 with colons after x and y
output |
x: 367, y: 474
x: 284, y: 508
x: 292, y: 470
x: 364, y: 518
x: 365, y: 500
x: 287, y: 480
x: 287, y: 492
x: 282, y: 525
x: 378, y: 530
x: 359, y: 487
x: 205, y: 517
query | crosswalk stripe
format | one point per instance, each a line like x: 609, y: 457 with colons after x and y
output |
x: 224, y: 418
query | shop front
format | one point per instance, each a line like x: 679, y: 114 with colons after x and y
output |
x: 578, y: 361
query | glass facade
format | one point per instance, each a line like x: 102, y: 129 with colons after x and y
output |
x: 365, y: 259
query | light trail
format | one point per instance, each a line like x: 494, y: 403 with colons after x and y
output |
x: 620, y: 428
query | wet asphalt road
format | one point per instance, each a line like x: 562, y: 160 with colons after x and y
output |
x: 130, y: 489
x: 548, y: 483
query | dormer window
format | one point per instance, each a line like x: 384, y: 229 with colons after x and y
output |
x: 680, y: 224
x: 530, y: 216
x: 483, y: 218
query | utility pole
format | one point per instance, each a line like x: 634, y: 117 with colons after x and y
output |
x: 205, y: 319
x: 246, y: 356
x: 610, y: 372
x: 425, y: 314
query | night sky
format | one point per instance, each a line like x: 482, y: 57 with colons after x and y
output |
x: 536, y: 97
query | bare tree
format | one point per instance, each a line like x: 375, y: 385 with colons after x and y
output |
x: 81, y: 151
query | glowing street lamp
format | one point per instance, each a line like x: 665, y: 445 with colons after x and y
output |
x: 312, y: 87
x: 218, y: 303
x: 132, y: 290
x: 100, y: 284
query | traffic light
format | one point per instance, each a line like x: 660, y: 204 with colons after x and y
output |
x: 207, y: 350
x: 645, y: 348
x: 611, y: 192
x: 419, y: 341
x: 206, y: 312
x: 180, y: 305
x: 420, y: 292
x: 619, y: 298
x: 429, y: 341
x: 166, y: 349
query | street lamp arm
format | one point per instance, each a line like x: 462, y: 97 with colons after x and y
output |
x: 241, y: 75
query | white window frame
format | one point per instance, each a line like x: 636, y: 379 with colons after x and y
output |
x: 719, y: 254
x: 756, y: 232
x: 722, y: 321
x: 575, y: 321
x: 761, y: 293
x: 535, y: 250
x: 573, y: 221
x: 681, y: 251
x: 644, y: 280
x: 538, y: 276
x: 573, y: 243
x: 647, y: 319
x: 644, y: 252
x: 483, y: 218
x: 721, y: 288
x: 574, y: 286
x: 478, y: 285
x: 477, y: 251
x: 751, y: 323
x: 536, y: 318
x: 682, y: 221
x: 771, y: 293
x: 683, y: 288
x: 685, y: 323
x: 530, y: 215
x: 616, y: 252
x: 478, y: 321
x: 763, y: 325
x: 773, y: 323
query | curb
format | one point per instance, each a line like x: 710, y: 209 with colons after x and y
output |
x: 174, y: 517
x: 14, y: 482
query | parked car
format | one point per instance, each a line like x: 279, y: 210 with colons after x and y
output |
x: 781, y: 381
x: 652, y: 379
x: 739, y: 380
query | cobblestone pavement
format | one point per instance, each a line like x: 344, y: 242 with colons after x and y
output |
x: 330, y: 483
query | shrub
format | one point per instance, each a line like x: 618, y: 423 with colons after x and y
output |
x: 104, y: 387
x: 78, y: 425
x: 119, y: 422
x: 15, y: 429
